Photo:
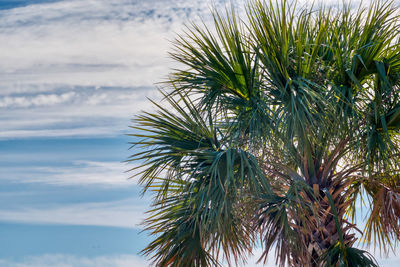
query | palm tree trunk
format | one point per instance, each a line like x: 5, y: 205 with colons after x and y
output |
x: 325, y: 232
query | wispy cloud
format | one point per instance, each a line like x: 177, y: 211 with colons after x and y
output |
x: 92, y: 43
x: 37, y: 100
x: 62, y: 260
x: 79, y: 173
x: 78, y: 111
x: 127, y: 213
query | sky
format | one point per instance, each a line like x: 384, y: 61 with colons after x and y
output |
x: 73, y: 73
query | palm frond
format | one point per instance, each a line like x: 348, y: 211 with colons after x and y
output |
x: 203, y: 199
x: 339, y: 256
x: 383, y: 224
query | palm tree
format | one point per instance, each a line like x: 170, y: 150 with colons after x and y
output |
x: 271, y: 133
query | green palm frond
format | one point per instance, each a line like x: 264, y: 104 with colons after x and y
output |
x: 338, y: 256
x: 179, y: 242
x: 290, y: 46
x: 205, y: 185
x: 218, y: 62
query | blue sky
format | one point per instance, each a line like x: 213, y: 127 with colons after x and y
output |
x: 72, y: 75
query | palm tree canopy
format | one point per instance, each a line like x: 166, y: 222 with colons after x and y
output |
x: 271, y: 129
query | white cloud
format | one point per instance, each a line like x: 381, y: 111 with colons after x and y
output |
x: 128, y: 213
x: 85, y: 172
x: 37, y: 100
x: 103, y: 43
x: 62, y: 260
x: 81, y: 111
x: 74, y: 132
x: 252, y: 260
x: 79, y: 173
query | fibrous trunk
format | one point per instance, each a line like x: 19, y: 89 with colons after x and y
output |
x: 327, y: 225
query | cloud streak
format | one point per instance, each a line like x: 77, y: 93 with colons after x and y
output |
x: 92, y: 43
x: 37, y: 100
x: 80, y: 173
x: 62, y: 260
x: 77, y: 111
x: 127, y: 213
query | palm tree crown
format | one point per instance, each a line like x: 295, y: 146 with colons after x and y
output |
x: 270, y: 130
